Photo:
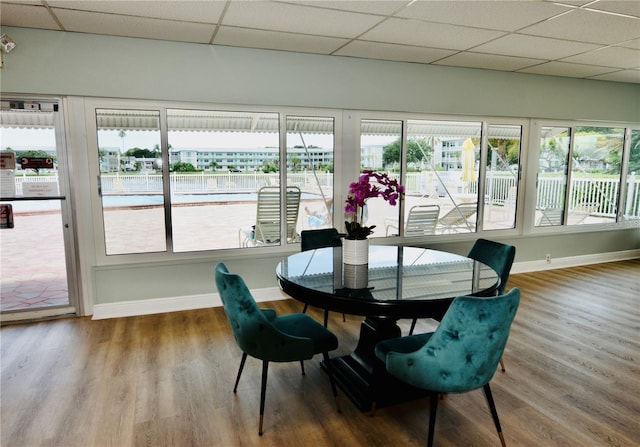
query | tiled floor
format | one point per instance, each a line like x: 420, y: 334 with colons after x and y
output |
x: 32, y: 272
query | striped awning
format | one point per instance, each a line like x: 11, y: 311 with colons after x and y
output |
x: 223, y: 121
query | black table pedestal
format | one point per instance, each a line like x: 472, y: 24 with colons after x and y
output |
x: 354, y: 373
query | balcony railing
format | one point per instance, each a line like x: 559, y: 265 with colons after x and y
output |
x: 602, y: 192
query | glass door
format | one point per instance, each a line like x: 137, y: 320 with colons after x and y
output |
x: 36, y: 250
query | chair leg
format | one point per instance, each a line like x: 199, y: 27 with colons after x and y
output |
x: 344, y: 318
x: 502, y: 365
x: 432, y: 417
x: 329, y: 366
x: 413, y: 326
x: 326, y: 317
x: 302, y: 367
x: 494, y: 413
x: 263, y: 392
x: 244, y: 359
x: 304, y: 309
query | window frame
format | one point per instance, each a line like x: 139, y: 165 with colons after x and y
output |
x: 533, y: 161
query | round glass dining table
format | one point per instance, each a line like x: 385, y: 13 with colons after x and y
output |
x: 398, y: 282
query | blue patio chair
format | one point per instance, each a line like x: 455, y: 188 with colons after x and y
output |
x: 261, y: 334
x: 460, y: 356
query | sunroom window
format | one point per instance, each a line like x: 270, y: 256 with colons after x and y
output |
x: 579, y: 176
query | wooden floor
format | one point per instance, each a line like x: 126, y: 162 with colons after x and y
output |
x: 572, y: 379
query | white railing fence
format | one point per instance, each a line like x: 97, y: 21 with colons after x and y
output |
x: 600, y: 192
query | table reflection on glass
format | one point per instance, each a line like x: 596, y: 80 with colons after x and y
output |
x: 398, y: 282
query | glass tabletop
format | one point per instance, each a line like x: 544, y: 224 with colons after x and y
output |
x: 394, y: 274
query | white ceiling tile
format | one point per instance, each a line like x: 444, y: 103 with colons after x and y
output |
x: 28, y: 16
x: 498, y: 15
x: 488, y: 61
x: 635, y: 44
x: 433, y: 35
x: 566, y: 69
x: 380, y: 7
x: 588, y: 26
x: 186, y: 10
x: 629, y: 7
x: 297, y: 19
x: 618, y: 57
x: 392, y: 52
x: 246, y: 37
x: 534, y: 47
x: 632, y: 76
x: 118, y: 25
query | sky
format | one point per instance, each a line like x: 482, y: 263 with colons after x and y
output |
x: 21, y: 139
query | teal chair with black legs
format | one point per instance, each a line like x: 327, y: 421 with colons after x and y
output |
x: 261, y: 334
x: 461, y: 355
x: 496, y: 255
x: 321, y: 238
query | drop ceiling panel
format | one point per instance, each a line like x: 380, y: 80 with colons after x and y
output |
x: 629, y: 7
x: 118, y: 25
x: 27, y: 16
x: 380, y: 7
x: 187, y: 10
x: 632, y: 76
x: 608, y: 57
x: 386, y: 51
x: 434, y: 35
x: 568, y: 70
x: 488, y: 61
x: 534, y: 47
x: 588, y: 26
x: 298, y: 19
x: 497, y: 15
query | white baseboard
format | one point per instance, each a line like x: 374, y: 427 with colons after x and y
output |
x: 175, y: 304
x: 573, y: 261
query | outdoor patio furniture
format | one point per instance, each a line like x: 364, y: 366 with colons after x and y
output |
x: 266, y: 230
x: 457, y: 218
x: 421, y: 221
x: 550, y: 216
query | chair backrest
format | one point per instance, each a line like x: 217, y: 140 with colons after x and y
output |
x: 458, y: 215
x: 252, y: 330
x: 463, y: 352
x: 497, y: 256
x: 267, y: 228
x: 325, y: 237
x: 550, y: 216
x: 422, y: 220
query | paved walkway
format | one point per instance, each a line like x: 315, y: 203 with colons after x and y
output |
x: 32, y: 271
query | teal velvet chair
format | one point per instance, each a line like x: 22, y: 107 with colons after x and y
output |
x: 461, y: 355
x: 261, y: 334
x: 324, y: 237
x: 497, y: 256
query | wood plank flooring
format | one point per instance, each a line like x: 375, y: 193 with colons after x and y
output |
x: 572, y: 379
